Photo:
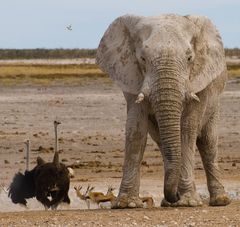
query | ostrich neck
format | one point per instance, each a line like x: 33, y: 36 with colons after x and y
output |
x: 56, y: 139
x: 27, y: 155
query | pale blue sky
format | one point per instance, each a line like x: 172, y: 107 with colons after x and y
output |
x: 42, y: 23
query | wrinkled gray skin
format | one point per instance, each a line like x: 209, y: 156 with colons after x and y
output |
x: 172, y: 70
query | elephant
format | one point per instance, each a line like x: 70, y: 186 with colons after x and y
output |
x: 172, y: 70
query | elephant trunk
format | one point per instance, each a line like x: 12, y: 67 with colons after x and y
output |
x: 166, y: 98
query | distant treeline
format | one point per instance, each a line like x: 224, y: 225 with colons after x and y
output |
x: 46, y: 53
x: 67, y: 53
x: 232, y: 52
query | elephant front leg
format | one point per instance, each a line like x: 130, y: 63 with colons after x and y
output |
x: 136, y: 136
x: 207, y: 145
x: 186, y: 187
x: 188, y: 196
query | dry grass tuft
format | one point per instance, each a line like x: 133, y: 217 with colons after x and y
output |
x: 21, y: 74
x: 233, y: 70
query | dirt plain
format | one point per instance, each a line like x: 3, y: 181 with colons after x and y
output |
x: 91, y: 140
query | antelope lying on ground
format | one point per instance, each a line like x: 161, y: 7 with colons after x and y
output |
x: 148, y: 200
x: 111, y: 197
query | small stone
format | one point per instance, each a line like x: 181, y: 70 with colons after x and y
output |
x: 192, y: 203
x: 146, y: 217
x: 132, y: 205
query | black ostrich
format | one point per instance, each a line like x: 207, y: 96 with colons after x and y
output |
x: 47, y: 181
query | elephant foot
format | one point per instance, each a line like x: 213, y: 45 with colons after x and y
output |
x: 186, y: 200
x: 124, y: 201
x: 219, y: 200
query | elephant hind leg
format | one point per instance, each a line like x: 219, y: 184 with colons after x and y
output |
x: 207, y: 146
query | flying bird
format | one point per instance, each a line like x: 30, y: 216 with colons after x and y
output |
x: 69, y: 27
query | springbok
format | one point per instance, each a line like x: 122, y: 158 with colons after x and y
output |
x: 99, y: 197
x: 81, y: 196
x: 95, y: 197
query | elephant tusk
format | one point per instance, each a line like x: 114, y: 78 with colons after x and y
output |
x: 140, y: 98
x: 145, y: 90
x: 192, y: 95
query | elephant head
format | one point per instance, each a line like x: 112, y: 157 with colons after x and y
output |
x: 168, y: 60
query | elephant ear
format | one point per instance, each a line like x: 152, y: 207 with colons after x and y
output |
x: 116, y: 54
x: 209, y: 60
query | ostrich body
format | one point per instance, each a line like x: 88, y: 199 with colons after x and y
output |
x: 46, y: 179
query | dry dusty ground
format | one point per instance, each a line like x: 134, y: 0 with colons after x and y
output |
x: 92, y: 141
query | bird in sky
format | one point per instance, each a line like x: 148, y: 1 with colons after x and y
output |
x: 69, y: 27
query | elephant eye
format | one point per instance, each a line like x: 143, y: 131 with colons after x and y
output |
x: 189, y: 58
x: 190, y: 55
x: 143, y: 59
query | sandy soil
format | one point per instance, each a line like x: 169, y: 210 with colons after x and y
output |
x: 92, y: 140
